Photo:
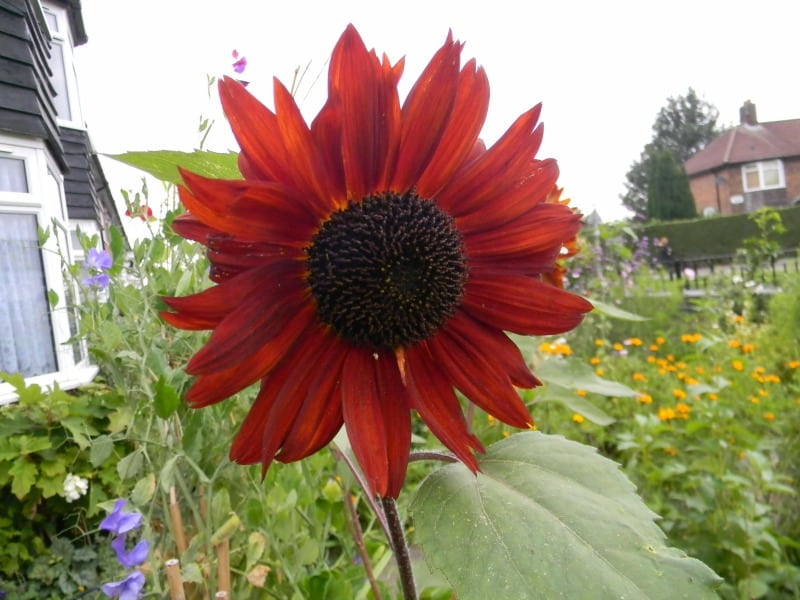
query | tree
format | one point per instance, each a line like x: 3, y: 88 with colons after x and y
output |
x: 682, y: 127
x: 668, y: 193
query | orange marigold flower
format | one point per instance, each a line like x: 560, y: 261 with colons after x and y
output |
x: 679, y: 394
x: 793, y: 364
x: 578, y: 418
x: 618, y: 347
x: 737, y: 365
x: 671, y: 450
x: 652, y: 348
x: 594, y: 360
x: 638, y: 377
x: 651, y: 359
x: 660, y: 340
x: 734, y: 343
x: 755, y: 399
x: 666, y: 414
x: 712, y: 396
x: 599, y: 342
x: 599, y: 372
x: 748, y: 348
x: 580, y: 392
x: 769, y: 416
x: 634, y: 341
x: 644, y: 399
x: 372, y: 262
x: 682, y: 409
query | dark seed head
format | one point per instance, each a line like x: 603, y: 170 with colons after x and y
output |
x: 387, y: 271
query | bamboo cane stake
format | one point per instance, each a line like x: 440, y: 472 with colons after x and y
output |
x: 224, y: 568
x: 174, y: 579
x: 177, y: 521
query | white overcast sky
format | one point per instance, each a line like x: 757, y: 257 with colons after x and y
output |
x: 602, y: 69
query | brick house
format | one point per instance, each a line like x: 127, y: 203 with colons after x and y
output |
x: 50, y: 178
x: 750, y: 166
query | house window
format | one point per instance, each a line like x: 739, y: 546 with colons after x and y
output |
x: 763, y: 175
x: 62, y: 68
x: 36, y: 319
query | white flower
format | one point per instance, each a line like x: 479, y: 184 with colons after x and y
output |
x: 75, y: 487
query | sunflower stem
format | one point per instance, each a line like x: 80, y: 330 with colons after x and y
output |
x: 400, y: 548
x: 376, y: 509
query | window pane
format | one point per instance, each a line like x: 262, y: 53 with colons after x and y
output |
x: 12, y: 175
x: 52, y: 21
x: 771, y: 176
x: 752, y: 182
x: 59, y: 80
x: 26, y: 336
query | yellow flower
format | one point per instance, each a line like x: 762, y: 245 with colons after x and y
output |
x: 594, y: 361
x: 660, y: 340
x: 666, y: 414
x: 671, y: 451
x: 653, y: 348
x: 793, y: 364
x: 691, y: 338
x: 618, y: 347
x: 651, y: 359
x: 712, y: 396
x: 577, y: 418
x: 690, y: 381
x: 638, y: 377
x: 738, y: 319
x: 769, y: 416
x: 599, y: 372
x: 683, y: 410
x: 599, y: 342
x: 734, y: 343
x: 634, y: 341
x: 737, y: 365
x: 754, y: 399
x: 747, y: 348
x: 644, y: 399
x: 699, y: 370
x: 680, y: 394
x: 763, y: 393
x: 771, y: 378
x: 580, y: 392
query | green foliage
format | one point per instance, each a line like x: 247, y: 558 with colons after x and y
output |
x: 164, y: 164
x: 721, y: 235
x: 682, y: 127
x: 763, y: 249
x: 668, y: 193
x: 549, y: 515
x: 44, y: 437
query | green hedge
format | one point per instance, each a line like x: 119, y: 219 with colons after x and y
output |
x: 719, y: 236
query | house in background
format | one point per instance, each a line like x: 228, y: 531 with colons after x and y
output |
x: 748, y: 167
x: 50, y: 177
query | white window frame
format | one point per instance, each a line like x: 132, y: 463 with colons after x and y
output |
x: 62, y: 38
x: 41, y: 171
x: 760, y: 168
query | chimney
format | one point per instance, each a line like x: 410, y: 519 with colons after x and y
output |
x: 747, y: 114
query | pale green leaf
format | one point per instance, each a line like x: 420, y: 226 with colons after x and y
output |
x: 23, y: 475
x: 614, y: 312
x: 163, y: 164
x: 574, y: 402
x: 576, y: 375
x: 548, y: 518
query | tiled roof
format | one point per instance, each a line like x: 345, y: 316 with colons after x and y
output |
x: 748, y: 143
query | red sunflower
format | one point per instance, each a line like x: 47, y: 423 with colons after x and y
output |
x: 368, y: 266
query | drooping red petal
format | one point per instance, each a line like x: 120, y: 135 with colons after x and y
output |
x: 425, y: 115
x: 365, y: 92
x: 216, y: 386
x: 523, y: 305
x: 376, y: 414
x: 479, y: 376
x: 432, y: 396
x: 457, y: 142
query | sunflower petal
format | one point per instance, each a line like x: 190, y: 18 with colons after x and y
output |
x: 376, y: 414
x: 432, y: 396
x: 523, y: 305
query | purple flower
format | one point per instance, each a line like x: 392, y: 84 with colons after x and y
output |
x: 239, y: 64
x: 129, y: 559
x: 99, y: 281
x: 97, y: 259
x: 129, y: 588
x: 119, y: 522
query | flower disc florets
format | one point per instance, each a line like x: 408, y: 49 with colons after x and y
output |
x: 387, y: 271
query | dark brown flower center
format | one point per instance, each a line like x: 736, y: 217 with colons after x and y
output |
x: 387, y: 271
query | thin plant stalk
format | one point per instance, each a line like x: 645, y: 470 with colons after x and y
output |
x: 400, y: 548
x: 351, y: 518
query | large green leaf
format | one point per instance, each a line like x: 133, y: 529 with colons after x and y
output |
x: 614, y: 312
x: 163, y: 164
x: 548, y: 518
x: 576, y: 375
x: 574, y: 402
